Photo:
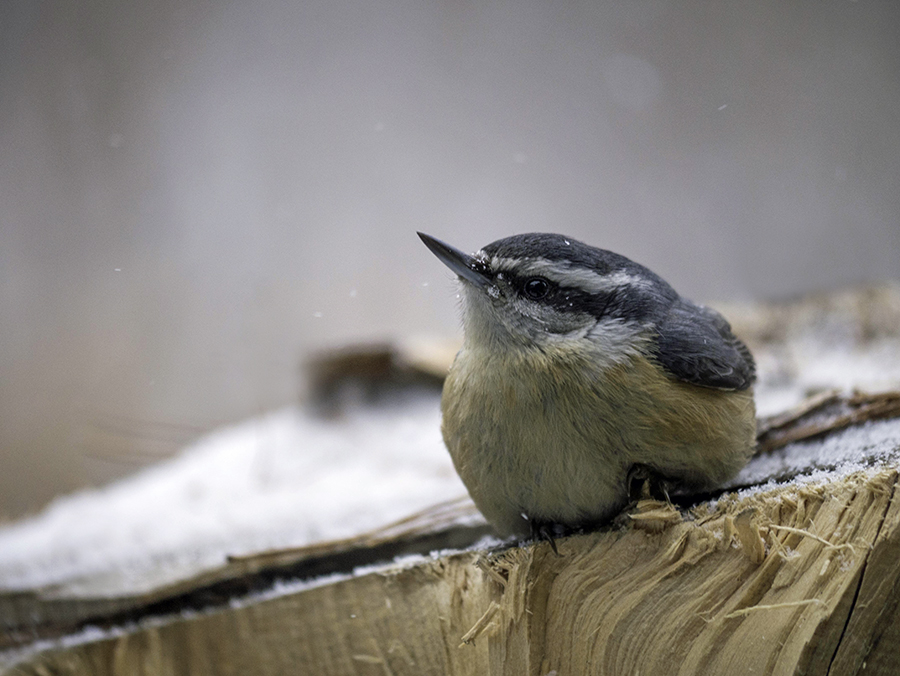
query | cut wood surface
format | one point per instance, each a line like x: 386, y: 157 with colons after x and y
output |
x: 795, y: 579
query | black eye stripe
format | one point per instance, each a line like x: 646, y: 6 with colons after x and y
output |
x: 569, y: 298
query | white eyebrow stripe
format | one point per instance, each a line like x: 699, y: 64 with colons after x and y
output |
x: 565, y: 273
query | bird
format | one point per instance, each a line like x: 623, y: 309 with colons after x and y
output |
x: 581, y: 371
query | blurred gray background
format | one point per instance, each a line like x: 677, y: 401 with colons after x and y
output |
x: 195, y: 194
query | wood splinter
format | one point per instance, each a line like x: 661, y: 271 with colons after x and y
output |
x: 772, y: 606
x: 485, y: 565
x: 748, y: 532
x: 806, y: 533
x: 483, y: 623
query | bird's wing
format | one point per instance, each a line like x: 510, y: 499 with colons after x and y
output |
x: 696, y: 345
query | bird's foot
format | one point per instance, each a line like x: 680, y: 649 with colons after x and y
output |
x: 645, y: 483
x: 548, y: 532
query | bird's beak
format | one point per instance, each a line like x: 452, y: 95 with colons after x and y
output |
x: 467, y: 267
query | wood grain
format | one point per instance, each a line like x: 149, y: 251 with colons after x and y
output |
x: 687, y: 600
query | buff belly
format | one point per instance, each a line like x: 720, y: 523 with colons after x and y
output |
x: 555, y: 441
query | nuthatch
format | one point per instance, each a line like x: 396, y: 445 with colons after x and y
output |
x: 581, y: 369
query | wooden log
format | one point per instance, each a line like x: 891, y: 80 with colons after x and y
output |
x: 693, y: 598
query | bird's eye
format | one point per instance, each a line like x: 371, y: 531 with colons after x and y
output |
x: 536, y: 288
